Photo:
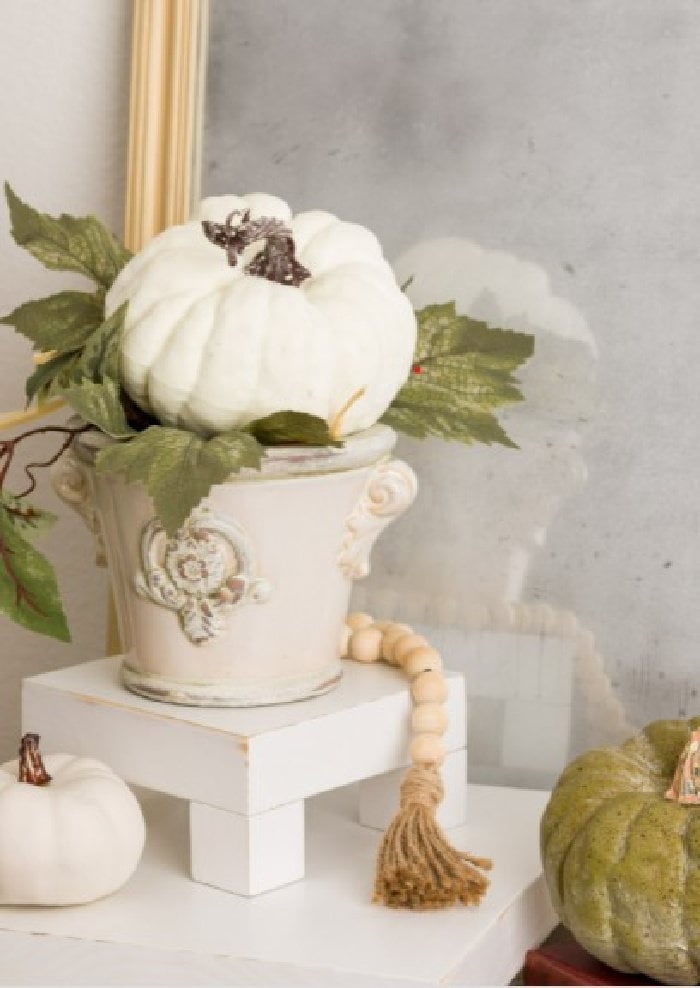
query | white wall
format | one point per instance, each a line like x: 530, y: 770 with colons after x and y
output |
x: 64, y: 71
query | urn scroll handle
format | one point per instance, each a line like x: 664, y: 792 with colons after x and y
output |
x: 390, y: 490
x: 70, y: 480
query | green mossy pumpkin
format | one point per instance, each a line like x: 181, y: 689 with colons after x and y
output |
x: 622, y: 863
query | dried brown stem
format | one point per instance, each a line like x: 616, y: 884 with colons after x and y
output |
x: 276, y: 260
x: 9, y: 446
x: 31, y: 766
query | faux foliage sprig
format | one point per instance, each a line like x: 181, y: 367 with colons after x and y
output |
x: 463, y: 370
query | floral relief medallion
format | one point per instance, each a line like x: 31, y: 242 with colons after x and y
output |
x: 203, y: 572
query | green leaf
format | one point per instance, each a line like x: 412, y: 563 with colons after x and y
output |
x: 451, y: 388
x: 28, y: 589
x: 442, y: 332
x: 27, y: 519
x: 99, y: 404
x: 466, y: 427
x: 463, y: 370
x: 179, y: 468
x: 99, y: 358
x: 94, y: 390
x: 67, y: 243
x: 48, y: 378
x: 285, y: 428
x: 61, y: 322
x: 70, y: 374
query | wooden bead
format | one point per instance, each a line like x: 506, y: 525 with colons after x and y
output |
x: 427, y: 749
x: 421, y: 659
x: 405, y: 644
x: 344, y: 641
x: 391, y: 636
x: 366, y: 644
x: 429, y: 718
x: 358, y: 620
x: 429, y: 687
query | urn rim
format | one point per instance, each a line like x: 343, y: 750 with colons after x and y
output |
x: 358, y: 450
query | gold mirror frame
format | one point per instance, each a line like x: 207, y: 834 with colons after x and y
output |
x: 168, y: 69
x: 166, y: 103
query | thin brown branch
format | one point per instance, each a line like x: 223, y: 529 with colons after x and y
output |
x: 43, y: 463
x: 9, y: 446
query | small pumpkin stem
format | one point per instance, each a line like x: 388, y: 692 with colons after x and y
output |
x: 31, y: 767
x: 275, y: 262
x: 685, y: 785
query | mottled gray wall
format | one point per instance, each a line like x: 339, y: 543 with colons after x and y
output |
x: 568, y: 133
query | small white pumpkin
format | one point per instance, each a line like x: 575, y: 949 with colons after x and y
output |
x: 211, y: 345
x: 70, y: 832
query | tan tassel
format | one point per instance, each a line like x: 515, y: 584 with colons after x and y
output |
x: 417, y: 867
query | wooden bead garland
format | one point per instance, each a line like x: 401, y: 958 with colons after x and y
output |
x: 429, y: 718
x: 391, y: 638
x: 358, y: 620
x: 405, y: 644
x: 429, y: 687
x: 366, y: 644
x: 417, y: 868
x: 427, y: 749
x: 420, y: 660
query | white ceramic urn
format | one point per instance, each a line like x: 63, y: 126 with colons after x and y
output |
x: 246, y: 604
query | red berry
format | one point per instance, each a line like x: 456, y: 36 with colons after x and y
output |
x: 416, y: 369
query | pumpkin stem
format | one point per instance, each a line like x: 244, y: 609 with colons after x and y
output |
x: 685, y: 785
x: 275, y: 262
x: 31, y: 767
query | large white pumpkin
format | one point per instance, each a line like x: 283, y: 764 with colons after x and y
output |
x: 71, y: 840
x: 210, y: 346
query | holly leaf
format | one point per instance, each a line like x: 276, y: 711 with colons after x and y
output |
x: 463, y: 371
x: 67, y: 243
x: 289, y: 428
x: 442, y: 332
x: 28, y: 589
x: 100, y: 404
x: 61, y: 322
x: 179, y: 468
x: 465, y: 427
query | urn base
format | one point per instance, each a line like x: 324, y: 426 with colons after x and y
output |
x: 220, y: 694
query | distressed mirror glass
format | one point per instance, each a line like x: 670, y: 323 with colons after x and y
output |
x: 536, y: 162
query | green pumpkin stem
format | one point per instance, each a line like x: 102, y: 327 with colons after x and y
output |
x: 31, y: 767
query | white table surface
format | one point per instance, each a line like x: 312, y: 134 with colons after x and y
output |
x: 164, y: 929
